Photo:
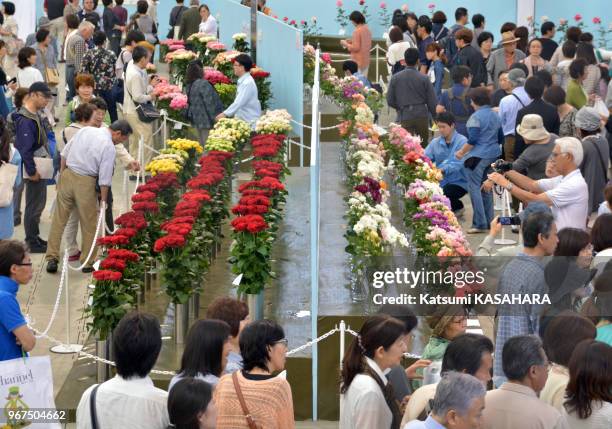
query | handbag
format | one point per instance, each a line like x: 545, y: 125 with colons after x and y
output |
x: 249, y: 418
x: 8, y: 174
x: 51, y: 75
x: 147, y: 112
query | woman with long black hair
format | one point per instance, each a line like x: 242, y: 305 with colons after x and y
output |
x: 8, y: 155
x: 367, y: 399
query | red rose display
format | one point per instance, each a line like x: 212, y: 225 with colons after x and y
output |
x: 124, y: 254
x: 111, y: 240
x: 146, y: 206
x: 250, y: 223
x: 113, y: 264
x: 150, y: 187
x: 143, y: 196
x: 254, y: 200
x: 128, y: 232
x: 165, y: 180
x: 178, y: 228
x: 242, y: 209
x: 264, y: 192
x: 169, y: 241
x: 197, y: 195
x: 107, y: 275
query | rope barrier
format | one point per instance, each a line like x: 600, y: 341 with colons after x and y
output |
x: 406, y: 355
x: 93, y: 243
x: 299, y: 124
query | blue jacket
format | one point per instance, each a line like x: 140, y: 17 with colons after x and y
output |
x: 485, y: 134
x: 30, y: 136
x: 443, y: 155
x: 459, y: 105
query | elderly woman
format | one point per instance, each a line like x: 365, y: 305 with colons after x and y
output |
x: 501, y: 59
x: 204, y: 102
x: 360, y: 44
x: 84, y: 85
x: 534, y: 61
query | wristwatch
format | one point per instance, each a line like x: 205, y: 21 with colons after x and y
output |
x: 509, y: 186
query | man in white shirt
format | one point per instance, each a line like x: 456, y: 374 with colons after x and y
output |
x: 458, y: 403
x: 138, y: 91
x: 129, y: 400
x: 567, y: 194
x: 246, y: 106
x: 88, y: 160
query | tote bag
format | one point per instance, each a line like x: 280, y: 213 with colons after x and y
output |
x: 27, y: 384
x: 8, y: 174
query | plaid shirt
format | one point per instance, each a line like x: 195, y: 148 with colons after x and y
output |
x: 100, y: 63
x: 75, y: 50
x: 523, y: 275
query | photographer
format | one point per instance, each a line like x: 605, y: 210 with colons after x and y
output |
x: 540, y: 144
x: 566, y: 193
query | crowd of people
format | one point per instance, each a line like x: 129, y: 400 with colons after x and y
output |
x: 526, y: 116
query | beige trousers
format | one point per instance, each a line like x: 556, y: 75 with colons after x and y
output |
x: 140, y: 130
x: 74, y: 192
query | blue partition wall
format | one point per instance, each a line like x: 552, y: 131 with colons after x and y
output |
x: 556, y: 10
x: 496, y: 11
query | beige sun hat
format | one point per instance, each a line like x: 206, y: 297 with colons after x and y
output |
x: 532, y: 128
x: 508, y: 37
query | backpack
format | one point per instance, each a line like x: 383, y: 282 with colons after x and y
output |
x: 448, y: 43
x: 447, y: 82
x: 463, y: 99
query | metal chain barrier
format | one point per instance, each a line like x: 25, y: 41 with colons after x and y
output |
x: 313, y: 342
x: 407, y: 355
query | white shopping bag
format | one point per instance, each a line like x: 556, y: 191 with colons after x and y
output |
x: 44, y: 167
x: 26, y: 385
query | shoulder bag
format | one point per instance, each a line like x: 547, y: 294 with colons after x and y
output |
x: 147, y: 112
x: 8, y: 174
x: 92, y: 408
x: 51, y: 75
x: 601, y: 159
x: 249, y: 418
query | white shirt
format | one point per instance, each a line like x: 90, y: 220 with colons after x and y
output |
x: 363, y: 405
x: 209, y: 26
x: 211, y: 379
x: 91, y: 152
x: 601, y: 417
x: 27, y: 76
x: 246, y: 105
x: 135, y: 403
x: 136, y: 88
x: 570, y: 197
x: 396, y: 51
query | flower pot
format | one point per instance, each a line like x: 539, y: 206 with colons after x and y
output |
x: 103, y: 350
x: 255, y: 303
x: 181, y: 323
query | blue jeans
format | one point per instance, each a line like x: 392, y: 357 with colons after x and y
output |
x: 482, y: 202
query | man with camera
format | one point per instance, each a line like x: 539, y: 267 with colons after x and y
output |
x: 567, y: 193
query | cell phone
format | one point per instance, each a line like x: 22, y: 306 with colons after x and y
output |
x: 13, y: 80
x: 509, y: 220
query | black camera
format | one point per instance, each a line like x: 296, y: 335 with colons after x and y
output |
x: 500, y: 166
x: 509, y: 220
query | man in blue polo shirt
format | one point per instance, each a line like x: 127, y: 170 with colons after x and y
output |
x: 15, y: 269
x: 441, y: 150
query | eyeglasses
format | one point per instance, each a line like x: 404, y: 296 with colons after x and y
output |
x: 24, y: 264
x: 284, y: 342
x: 554, y: 155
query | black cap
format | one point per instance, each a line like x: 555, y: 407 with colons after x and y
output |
x: 40, y: 87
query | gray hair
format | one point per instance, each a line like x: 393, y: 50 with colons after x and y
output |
x: 194, y: 3
x: 86, y: 25
x: 572, y: 146
x: 521, y: 353
x: 121, y: 125
x: 456, y: 391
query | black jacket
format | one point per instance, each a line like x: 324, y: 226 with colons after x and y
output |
x: 472, y: 58
x: 549, y: 115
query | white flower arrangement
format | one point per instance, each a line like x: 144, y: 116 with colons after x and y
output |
x: 274, y: 122
x: 239, y: 36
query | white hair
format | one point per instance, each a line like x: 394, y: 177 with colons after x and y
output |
x: 572, y: 146
x: 86, y: 25
x: 456, y: 391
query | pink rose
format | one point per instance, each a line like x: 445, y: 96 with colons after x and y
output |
x: 596, y: 20
x: 383, y: 5
x: 562, y: 21
x: 361, y: 2
x: 577, y: 17
x: 404, y: 8
x: 292, y: 22
x: 302, y: 22
x: 431, y: 6
x: 339, y: 3
x: 285, y: 19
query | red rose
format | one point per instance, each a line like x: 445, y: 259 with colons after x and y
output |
x: 143, y: 196
x: 151, y: 187
x: 113, y: 264
x: 264, y: 192
x: 107, y: 275
x: 128, y: 232
x: 187, y: 212
x: 177, y: 228
x: 146, y: 206
x: 111, y: 240
x: 124, y: 254
x: 242, y: 209
x: 197, y: 195
x: 191, y: 205
x: 251, y: 200
x: 252, y: 223
x: 169, y: 241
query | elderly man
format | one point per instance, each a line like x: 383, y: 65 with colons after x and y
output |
x: 88, y: 161
x: 458, y: 404
x: 75, y: 50
x: 524, y: 275
x: 567, y: 193
x: 516, y: 404
x: 509, y: 107
x: 594, y: 167
x: 502, y: 59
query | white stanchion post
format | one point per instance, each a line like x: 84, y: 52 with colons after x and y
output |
x: 342, y: 341
x: 67, y: 348
x: 126, y: 197
x: 506, y: 211
x: 377, y: 59
x: 165, y: 130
